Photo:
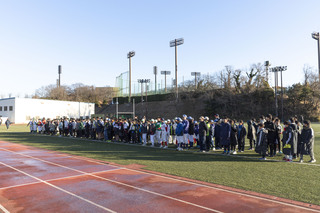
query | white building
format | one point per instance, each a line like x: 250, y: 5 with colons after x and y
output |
x: 21, y: 110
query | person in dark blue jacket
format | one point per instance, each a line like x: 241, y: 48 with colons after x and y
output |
x: 225, y: 132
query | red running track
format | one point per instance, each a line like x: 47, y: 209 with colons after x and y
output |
x: 36, y: 180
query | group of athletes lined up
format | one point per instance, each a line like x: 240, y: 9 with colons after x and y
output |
x: 264, y: 136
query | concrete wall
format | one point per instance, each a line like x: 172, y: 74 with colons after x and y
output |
x: 25, y: 109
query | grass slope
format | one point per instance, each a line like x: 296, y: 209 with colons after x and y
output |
x: 288, y: 180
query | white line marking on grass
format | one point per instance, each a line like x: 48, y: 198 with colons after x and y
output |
x: 4, y: 209
x: 109, y: 180
x: 56, y: 187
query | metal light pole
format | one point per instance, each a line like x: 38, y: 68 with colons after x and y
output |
x: 130, y: 55
x: 165, y: 73
x: 315, y: 35
x: 195, y: 74
x: 155, y: 72
x: 59, y: 72
x: 141, y: 81
x: 144, y: 81
x: 276, y: 70
x: 175, y: 43
x: 267, y: 65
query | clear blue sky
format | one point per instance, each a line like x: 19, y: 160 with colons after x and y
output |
x: 91, y: 38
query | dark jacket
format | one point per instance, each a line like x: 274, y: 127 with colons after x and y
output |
x: 144, y: 128
x: 306, y: 141
x: 152, y: 129
x: 271, y: 127
x: 203, y: 129
x: 288, y: 139
x: 225, y: 132
x: 262, y: 142
x: 241, y: 133
x: 191, y: 128
x: 233, y: 135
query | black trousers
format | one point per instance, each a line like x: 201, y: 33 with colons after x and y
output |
x: 202, y: 142
x: 241, y: 144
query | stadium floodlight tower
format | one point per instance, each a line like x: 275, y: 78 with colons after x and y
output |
x: 130, y: 55
x: 315, y: 35
x: 175, y: 43
x: 276, y: 70
x: 165, y: 73
x: 195, y: 74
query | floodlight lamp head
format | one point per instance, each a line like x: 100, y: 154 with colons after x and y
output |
x: 131, y: 54
x: 176, y: 42
x: 267, y: 63
x: 59, y: 69
x: 315, y: 35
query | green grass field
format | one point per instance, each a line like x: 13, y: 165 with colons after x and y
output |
x: 288, y: 180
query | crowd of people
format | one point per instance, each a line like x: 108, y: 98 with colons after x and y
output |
x: 266, y: 135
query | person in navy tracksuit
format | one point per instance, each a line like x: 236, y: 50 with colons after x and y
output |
x: 225, y: 132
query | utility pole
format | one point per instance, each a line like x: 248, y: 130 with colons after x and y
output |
x: 175, y: 43
x: 165, y: 73
x: 59, y: 72
x: 195, y: 74
x: 155, y: 72
x: 129, y: 56
x: 315, y: 35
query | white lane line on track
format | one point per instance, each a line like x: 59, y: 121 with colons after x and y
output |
x: 56, y: 187
x: 55, y: 179
x: 4, y: 209
x: 197, y: 184
x: 179, y: 180
x: 117, y: 182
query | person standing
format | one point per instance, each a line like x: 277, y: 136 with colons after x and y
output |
x: 30, y: 125
x: 251, y: 135
x: 225, y: 136
x: 172, y: 126
x: 271, y: 128
x: 203, y: 129
x: 152, y: 131
x: 144, y: 131
x: 307, y: 142
x: 241, y: 133
x: 191, y: 131
x: 8, y: 123
x: 295, y: 133
x: 179, y: 133
x: 217, y: 130
x: 185, y: 123
x: 233, y: 137
x: 278, y: 134
x: 158, y: 130
x: 262, y: 142
x: 288, y: 148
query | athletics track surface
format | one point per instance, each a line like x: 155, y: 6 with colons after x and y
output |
x: 37, y: 180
